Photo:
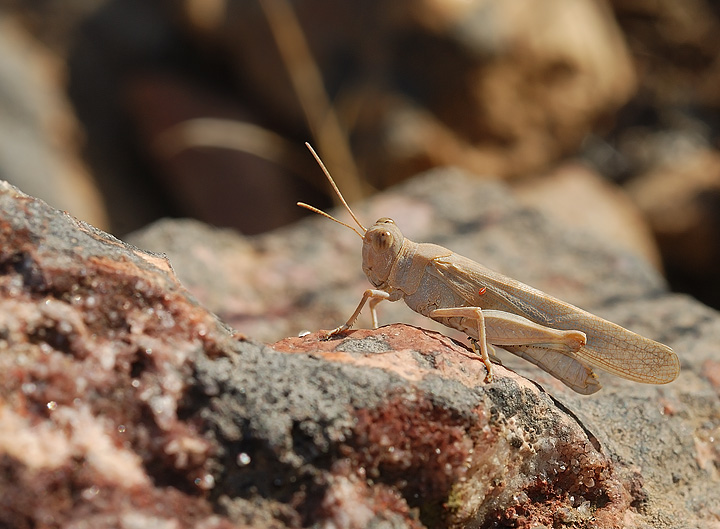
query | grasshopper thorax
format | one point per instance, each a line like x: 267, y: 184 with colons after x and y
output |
x: 381, y: 245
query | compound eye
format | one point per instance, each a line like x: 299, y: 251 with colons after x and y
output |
x: 385, y: 220
x: 382, y: 240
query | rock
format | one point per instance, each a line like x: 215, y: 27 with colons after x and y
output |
x: 664, y: 141
x: 214, y: 157
x: 308, y: 277
x: 493, y: 87
x: 577, y: 196
x: 126, y: 403
x: 40, y: 137
x: 97, y: 341
x: 681, y: 199
x: 507, y: 454
x: 673, y: 74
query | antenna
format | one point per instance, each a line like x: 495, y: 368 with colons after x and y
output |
x: 326, y: 215
x: 335, y: 188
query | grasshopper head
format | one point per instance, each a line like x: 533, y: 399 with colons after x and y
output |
x: 381, y: 243
x: 381, y: 246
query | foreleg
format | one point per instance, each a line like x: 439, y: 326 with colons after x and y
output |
x: 375, y: 297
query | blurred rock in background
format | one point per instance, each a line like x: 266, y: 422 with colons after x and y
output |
x: 145, y: 109
x: 40, y: 136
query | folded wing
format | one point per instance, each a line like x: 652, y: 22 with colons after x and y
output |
x: 609, y: 346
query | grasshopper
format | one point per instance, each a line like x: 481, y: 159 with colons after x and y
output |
x: 493, y: 309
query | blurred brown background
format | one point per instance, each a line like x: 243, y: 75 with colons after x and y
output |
x: 604, y: 113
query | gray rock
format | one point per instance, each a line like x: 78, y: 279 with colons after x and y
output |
x: 308, y: 277
x: 125, y: 402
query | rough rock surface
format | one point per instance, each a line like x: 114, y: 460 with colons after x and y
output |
x: 123, y: 402
x: 309, y: 277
